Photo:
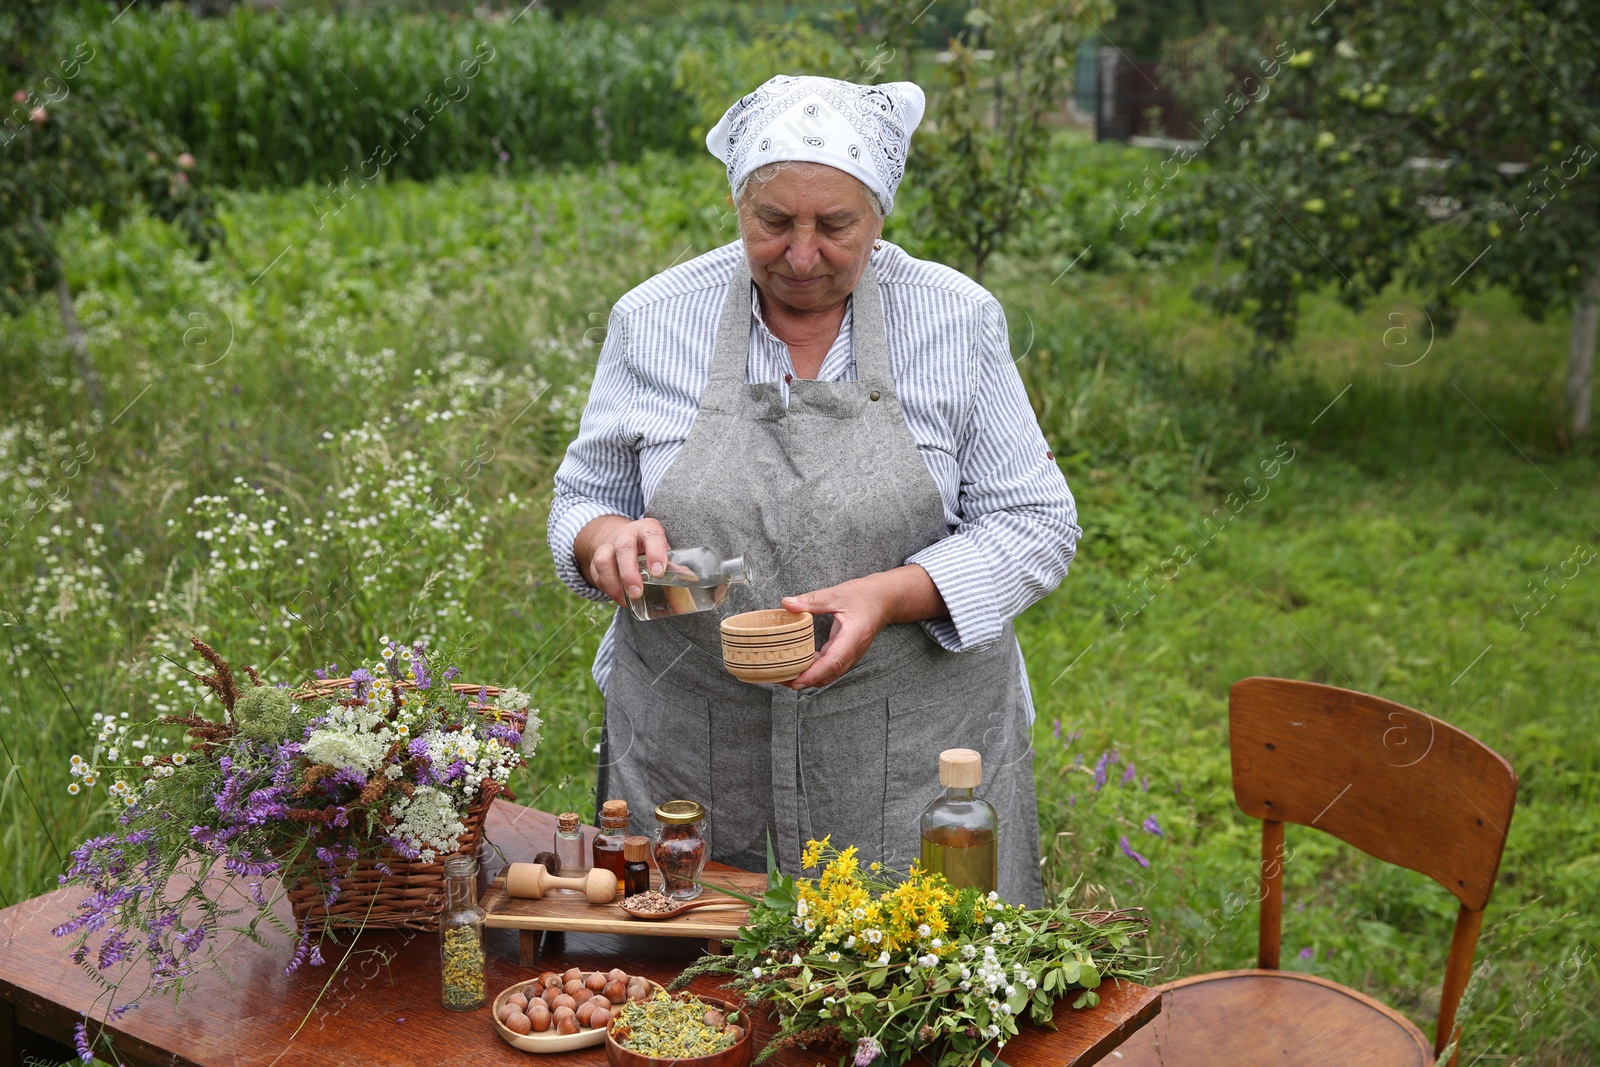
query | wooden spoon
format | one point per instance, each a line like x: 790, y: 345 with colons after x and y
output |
x: 651, y: 916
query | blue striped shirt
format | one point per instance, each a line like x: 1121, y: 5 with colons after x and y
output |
x: 1013, y: 522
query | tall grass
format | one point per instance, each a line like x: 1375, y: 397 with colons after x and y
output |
x: 269, y: 99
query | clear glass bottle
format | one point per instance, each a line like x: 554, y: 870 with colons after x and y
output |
x: 569, y: 843
x: 461, y: 937
x: 681, y: 849
x: 636, y: 872
x: 608, y: 842
x: 695, y: 579
x: 960, y: 831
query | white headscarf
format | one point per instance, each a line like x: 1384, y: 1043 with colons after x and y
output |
x: 863, y: 130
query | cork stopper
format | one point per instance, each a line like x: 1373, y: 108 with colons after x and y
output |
x: 614, y: 809
x: 636, y: 850
x: 960, y: 768
x: 567, y: 822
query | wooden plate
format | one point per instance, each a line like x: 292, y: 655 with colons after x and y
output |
x: 548, y: 1041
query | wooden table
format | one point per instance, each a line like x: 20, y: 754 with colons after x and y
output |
x: 383, y: 1008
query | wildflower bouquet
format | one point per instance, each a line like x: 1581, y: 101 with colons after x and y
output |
x: 898, y: 965
x: 283, y: 785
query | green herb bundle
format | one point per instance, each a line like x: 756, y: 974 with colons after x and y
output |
x: 900, y: 964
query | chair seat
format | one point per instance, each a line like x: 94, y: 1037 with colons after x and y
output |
x: 1241, y: 1018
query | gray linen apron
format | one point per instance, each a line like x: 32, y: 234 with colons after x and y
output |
x: 830, y: 488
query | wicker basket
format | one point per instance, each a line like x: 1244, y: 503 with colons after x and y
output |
x: 412, y: 894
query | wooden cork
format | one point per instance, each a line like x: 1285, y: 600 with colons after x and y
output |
x: 614, y: 809
x: 636, y: 849
x: 960, y: 768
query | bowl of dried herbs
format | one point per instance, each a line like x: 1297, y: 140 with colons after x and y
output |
x: 682, y: 1029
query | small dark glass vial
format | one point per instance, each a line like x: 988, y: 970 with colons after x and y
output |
x: 636, y: 872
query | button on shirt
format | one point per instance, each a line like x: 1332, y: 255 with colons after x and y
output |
x: 1013, y: 521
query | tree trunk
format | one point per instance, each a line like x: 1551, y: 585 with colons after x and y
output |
x: 80, y: 347
x: 1580, y: 355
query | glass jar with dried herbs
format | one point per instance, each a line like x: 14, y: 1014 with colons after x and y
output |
x: 681, y: 849
x: 461, y: 937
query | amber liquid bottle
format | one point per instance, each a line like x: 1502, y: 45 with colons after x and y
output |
x: 608, y: 842
x: 961, y: 832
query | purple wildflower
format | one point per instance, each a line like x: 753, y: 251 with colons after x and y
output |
x: 361, y: 682
x: 867, y: 1050
x: 1128, y: 775
x: 1128, y: 851
x: 1056, y: 729
x: 1144, y: 784
x: 80, y: 1041
x: 1308, y: 953
x: 1073, y: 800
x: 452, y: 673
x: 1100, y: 766
x: 505, y: 734
x: 1152, y: 827
x: 419, y: 673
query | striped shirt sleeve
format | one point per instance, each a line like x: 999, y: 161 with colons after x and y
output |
x: 600, y: 473
x: 1018, y: 529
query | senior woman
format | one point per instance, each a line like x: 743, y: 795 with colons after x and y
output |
x: 850, y: 420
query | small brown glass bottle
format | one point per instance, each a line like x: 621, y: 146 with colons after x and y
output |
x: 608, y: 842
x: 636, y: 871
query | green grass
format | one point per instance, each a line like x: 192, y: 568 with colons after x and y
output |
x: 445, y: 333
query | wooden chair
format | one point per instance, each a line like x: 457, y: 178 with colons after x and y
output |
x: 1401, y: 786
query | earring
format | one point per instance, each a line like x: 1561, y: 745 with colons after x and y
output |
x: 877, y: 246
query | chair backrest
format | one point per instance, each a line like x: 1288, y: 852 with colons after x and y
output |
x: 1396, y: 783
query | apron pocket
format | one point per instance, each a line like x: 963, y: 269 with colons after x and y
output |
x: 658, y: 736
x: 843, y: 764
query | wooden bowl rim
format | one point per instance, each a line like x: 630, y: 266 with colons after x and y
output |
x: 724, y: 1006
x: 768, y: 622
x: 589, y: 1035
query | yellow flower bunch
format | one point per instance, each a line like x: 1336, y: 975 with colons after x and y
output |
x: 847, y: 908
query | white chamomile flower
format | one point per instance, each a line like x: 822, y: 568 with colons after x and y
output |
x: 833, y: 957
x: 89, y: 780
x: 146, y: 760
x: 130, y: 800
x: 179, y: 759
x: 74, y: 788
x: 999, y: 928
x: 384, y: 640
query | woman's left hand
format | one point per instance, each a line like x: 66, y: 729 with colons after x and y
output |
x: 861, y: 608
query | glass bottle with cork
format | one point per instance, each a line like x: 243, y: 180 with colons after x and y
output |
x: 636, y: 869
x: 569, y: 843
x: 461, y: 937
x: 608, y: 842
x: 960, y: 831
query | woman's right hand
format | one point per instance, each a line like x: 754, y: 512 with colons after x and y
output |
x: 607, y: 550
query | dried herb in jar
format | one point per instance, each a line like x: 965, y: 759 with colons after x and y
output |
x: 463, y: 968
x: 681, y: 849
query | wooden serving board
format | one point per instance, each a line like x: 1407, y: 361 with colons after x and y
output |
x: 570, y: 911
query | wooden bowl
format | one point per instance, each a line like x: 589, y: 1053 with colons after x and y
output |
x: 549, y: 1041
x: 736, y: 1055
x: 768, y: 646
